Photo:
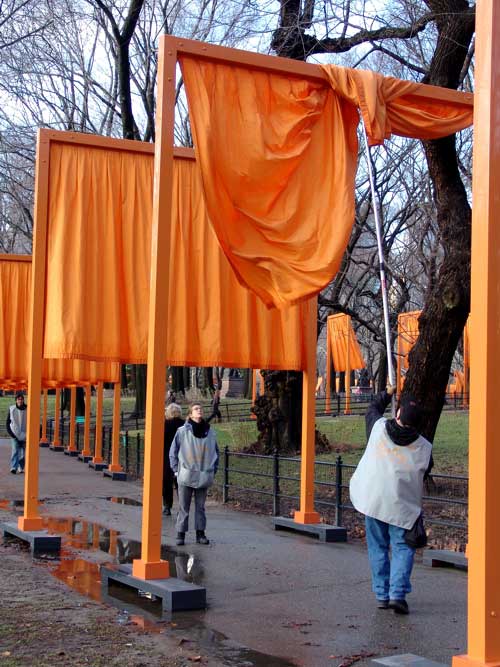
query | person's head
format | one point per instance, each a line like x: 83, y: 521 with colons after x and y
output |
x: 19, y: 399
x: 195, y: 412
x: 409, y: 412
x: 173, y: 410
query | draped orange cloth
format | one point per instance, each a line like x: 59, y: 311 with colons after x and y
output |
x: 98, y: 271
x: 15, y: 291
x: 407, y: 335
x: 343, y: 343
x: 278, y: 158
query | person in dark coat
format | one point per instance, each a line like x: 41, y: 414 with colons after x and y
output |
x: 173, y: 421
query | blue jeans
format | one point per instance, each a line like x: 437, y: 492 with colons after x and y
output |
x: 17, y: 455
x: 390, y: 577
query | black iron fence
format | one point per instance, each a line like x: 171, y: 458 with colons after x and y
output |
x: 272, y: 483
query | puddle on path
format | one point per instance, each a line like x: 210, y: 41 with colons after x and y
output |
x: 136, y: 607
x: 13, y: 505
x: 124, y: 501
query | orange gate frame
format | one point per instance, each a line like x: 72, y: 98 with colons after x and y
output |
x: 346, y: 336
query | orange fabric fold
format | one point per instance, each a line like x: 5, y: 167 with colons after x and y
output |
x: 343, y: 343
x: 390, y: 106
x: 102, y: 311
x: 15, y: 293
x: 407, y: 335
x: 278, y: 157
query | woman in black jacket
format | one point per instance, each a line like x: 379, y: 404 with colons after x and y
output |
x: 173, y: 421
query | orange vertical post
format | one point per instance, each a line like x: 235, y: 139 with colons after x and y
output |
x: 43, y: 438
x: 398, y: 363
x: 306, y: 513
x: 465, y: 397
x: 347, y: 410
x: 483, y: 645
x: 72, y: 421
x: 328, y: 388
x: 150, y: 565
x: 115, y: 443
x: 86, y: 431
x: 31, y: 519
x: 57, y: 415
x: 98, y: 426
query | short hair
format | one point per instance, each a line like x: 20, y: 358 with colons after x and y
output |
x: 173, y: 410
x: 19, y: 395
x: 192, y: 405
x: 410, y: 411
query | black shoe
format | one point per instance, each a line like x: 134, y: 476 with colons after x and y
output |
x: 399, y: 606
x: 179, y: 540
x: 383, y: 604
x: 13, y: 471
x: 167, y: 511
x: 201, y: 538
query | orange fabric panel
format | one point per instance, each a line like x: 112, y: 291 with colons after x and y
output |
x: 102, y: 312
x: 340, y: 334
x: 15, y: 291
x: 282, y: 201
x: 408, y: 334
x: 389, y: 106
x: 278, y: 159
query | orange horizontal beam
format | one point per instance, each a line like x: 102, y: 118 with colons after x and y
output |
x: 288, y: 66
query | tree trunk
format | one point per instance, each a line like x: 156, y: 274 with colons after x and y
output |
x: 139, y: 376
x: 447, y: 305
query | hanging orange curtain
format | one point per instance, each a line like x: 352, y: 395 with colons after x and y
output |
x: 15, y: 291
x: 278, y: 158
x: 407, y: 334
x: 102, y: 312
x: 340, y: 336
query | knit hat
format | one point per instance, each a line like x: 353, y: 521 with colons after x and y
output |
x: 410, y: 411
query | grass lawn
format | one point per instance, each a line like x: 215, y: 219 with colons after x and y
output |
x: 347, y: 436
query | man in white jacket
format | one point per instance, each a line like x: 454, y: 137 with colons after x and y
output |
x: 387, y: 488
x: 16, y: 428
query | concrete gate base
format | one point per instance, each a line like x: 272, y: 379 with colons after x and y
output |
x: 175, y: 594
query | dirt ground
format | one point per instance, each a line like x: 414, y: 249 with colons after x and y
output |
x: 44, y: 623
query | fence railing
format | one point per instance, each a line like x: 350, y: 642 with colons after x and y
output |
x: 276, y: 478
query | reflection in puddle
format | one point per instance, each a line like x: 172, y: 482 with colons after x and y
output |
x: 6, y: 504
x: 138, y: 609
x: 124, y: 501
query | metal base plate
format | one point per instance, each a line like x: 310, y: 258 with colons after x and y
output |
x: 322, y: 531
x: 405, y: 660
x: 175, y: 594
x: 40, y: 541
x: 116, y: 476
x: 444, y: 558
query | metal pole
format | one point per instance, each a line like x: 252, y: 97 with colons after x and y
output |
x: 383, y: 284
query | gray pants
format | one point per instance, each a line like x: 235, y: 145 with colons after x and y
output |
x: 200, y: 519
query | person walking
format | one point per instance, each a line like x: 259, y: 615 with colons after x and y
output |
x: 194, y: 458
x: 173, y: 421
x: 387, y: 488
x: 215, y: 406
x: 16, y: 428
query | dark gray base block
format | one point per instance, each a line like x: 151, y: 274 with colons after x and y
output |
x: 43, y: 443
x: 83, y: 458
x: 56, y: 448
x: 40, y: 541
x: 175, y: 594
x: 322, y: 531
x: 406, y: 660
x: 71, y: 452
x: 98, y: 466
x: 444, y: 558
x: 116, y: 476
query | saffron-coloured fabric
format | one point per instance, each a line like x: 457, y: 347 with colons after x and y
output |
x: 390, y: 106
x: 99, y: 234
x: 407, y: 335
x: 278, y: 158
x: 344, y: 346
x: 15, y: 291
